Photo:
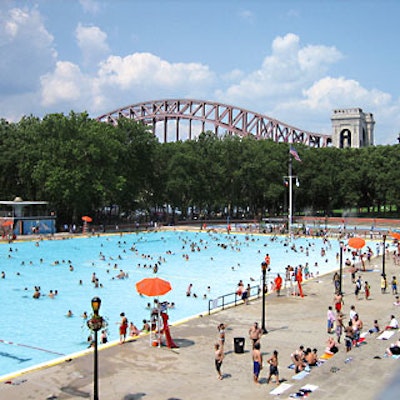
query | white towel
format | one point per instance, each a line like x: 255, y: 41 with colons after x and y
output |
x: 385, y: 335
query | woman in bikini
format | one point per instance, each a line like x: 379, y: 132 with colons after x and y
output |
x: 221, y: 330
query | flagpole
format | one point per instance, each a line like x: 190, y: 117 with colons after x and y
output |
x: 290, y: 212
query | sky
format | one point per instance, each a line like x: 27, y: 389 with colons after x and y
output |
x: 292, y: 60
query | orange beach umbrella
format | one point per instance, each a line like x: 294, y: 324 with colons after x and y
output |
x: 356, y: 242
x: 87, y: 218
x: 8, y: 223
x: 153, y: 287
x: 395, y: 235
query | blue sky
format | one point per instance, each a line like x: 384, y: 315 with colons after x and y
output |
x: 293, y: 60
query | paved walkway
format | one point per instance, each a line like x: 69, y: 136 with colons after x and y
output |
x: 136, y: 370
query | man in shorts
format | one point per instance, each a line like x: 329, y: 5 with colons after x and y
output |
x: 255, y: 333
x: 257, y: 362
x: 219, y: 356
x: 330, y: 319
x: 273, y: 367
x: 348, y: 336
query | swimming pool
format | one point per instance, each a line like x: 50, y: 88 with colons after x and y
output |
x: 34, y: 331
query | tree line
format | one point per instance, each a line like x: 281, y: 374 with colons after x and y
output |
x: 82, y: 166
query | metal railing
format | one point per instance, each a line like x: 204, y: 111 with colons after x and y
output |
x: 232, y: 298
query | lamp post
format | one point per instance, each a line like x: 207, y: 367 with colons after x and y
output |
x: 264, y: 267
x: 341, y: 267
x: 95, y: 324
x: 288, y: 180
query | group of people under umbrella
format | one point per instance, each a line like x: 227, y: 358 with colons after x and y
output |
x: 155, y: 287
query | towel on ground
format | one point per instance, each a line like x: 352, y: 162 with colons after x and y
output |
x: 280, y: 389
x: 385, y: 335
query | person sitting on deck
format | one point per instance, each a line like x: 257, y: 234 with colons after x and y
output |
x: 393, y: 324
x: 331, y: 346
x: 298, y: 359
x: 393, y: 349
x: 375, y: 328
x: 311, y: 357
x: 133, y: 330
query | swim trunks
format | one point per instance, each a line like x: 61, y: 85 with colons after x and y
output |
x: 256, y: 368
x: 218, y: 365
x: 349, y: 342
x: 273, y: 370
x: 122, y: 329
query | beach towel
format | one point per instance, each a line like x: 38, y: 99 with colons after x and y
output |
x: 280, y: 389
x: 300, y: 375
x: 309, y: 387
x: 385, y: 335
x: 361, y: 341
x: 304, y: 391
x: 326, y: 356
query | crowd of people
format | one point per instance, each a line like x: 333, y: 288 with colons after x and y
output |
x: 344, y: 327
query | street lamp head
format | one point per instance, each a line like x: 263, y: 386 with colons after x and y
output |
x: 264, y: 266
x: 96, y: 302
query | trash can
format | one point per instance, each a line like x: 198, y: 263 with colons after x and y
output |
x: 239, y: 344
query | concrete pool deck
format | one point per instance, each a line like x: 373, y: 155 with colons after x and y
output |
x: 136, y: 370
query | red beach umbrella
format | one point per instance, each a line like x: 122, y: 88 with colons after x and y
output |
x: 153, y: 287
x: 87, y: 218
x: 356, y: 242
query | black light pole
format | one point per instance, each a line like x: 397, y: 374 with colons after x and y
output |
x: 95, y: 324
x: 383, y: 256
x: 264, y: 271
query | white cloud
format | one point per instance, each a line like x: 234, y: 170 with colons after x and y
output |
x: 65, y: 85
x: 133, y: 78
x: 340, y: 92
x: 284, y: 73
x: 318, y: 58
x: 93, y: 44
x: 292, y: 86
x: 26, y: 50
x: 147, y: 69
x: 144, y: 76
x: 90, y: 6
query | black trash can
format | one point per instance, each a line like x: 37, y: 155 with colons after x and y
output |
x: 239, y: 344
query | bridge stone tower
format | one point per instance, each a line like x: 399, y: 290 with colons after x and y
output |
x: 352, y: 128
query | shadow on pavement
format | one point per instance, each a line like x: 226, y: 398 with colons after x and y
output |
x: 184, y: 342
x: 135, y: 396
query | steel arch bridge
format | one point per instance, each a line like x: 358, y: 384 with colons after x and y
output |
x: 220, y: 117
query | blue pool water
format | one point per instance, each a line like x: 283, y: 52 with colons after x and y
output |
x: 34, y: 331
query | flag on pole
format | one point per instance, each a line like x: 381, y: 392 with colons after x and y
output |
x: 294, y: 153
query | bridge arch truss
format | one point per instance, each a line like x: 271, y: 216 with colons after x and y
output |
x: 220, y: 118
